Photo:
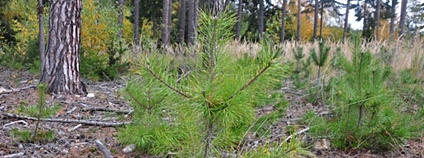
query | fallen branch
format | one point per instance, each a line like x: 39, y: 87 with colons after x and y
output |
x: 117, y: 111
x: 295, y: 134
x: 15, y: 122
x: 86, y: 122
x: 105, y: 151
x: 13, y: 155
x: 70, y: 111
x: 13, y: 90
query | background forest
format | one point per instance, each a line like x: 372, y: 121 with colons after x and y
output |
x: 217, y: 78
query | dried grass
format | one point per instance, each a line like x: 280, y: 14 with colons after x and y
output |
x: 406, y: 54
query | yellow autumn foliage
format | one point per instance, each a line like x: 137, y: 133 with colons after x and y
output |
x: 22, y: 15
x: 99, y: 24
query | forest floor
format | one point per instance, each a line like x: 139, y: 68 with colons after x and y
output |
x: 17, y: 88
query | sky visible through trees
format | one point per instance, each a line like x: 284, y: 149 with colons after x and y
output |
x: 356, y: 25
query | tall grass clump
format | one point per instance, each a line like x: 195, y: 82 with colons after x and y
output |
x: 202, y: 106
x: 366, y: 115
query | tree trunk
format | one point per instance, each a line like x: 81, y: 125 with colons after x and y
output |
x: 377, y: 21
x: 182, y: 20
x: 402, y: 17
x: 261, y: 18
x: 314, y: 35
x: 321, y: 19
x: 346, y: 21
x: 298, y: 20
x: 192, y: 21
x: 120, y: 18
x: 365, y: 23
x: 136, y: 25
x: 166, y: 22
x: 215, y: 7
x: 239, y: 20
x: 283, y: 22
x: 61, y: 71
x: 392, y: 19
x: 41, y: 42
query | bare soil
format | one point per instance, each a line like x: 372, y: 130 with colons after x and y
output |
x: 78, y: 140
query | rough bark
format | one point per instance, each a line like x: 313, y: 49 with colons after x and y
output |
x: 346, y: 20
x: 182, y: 20
x: 166, y: 10
x: 120, y: 18
x: 283, y: 22
x: 377, y: 20
x: 314, y: 35
x: 239, y: 12
x: 61, y: 71
x: 402, y: 17
x: 298, y: 20
x: 41, y: 42
x: 136, y: 24
x: 215, y: 7
x: 261, y: 18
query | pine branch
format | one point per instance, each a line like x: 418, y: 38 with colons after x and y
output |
x: 136, y: 100
x: 251, y: 81
x: 166, y: 84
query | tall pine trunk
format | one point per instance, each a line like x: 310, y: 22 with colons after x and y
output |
x: 392, y: 19
x: 166, y: 22
x: 377, y: 20
x: 182, y: 20
x: 261, y: 18
x: 136, y: 25
x: 365, y: 19
x: 239, y: 11
x: 41, y: 42
x: 314, y: 35
x: 298, y: 20
x: 62, y: 58
x: 321, y: 19
x: 120, y: 18
x: 402, y: 17
x: 346, y: 21
x: 192, y: 21
x: 283, y: 22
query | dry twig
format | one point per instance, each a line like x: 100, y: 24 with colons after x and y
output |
x: 117, y: 111
x: 105, y: 151
x: 86, y: 122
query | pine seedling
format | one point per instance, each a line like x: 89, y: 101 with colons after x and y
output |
x: 320, y: 58
x: 40, y: 110
x: 41, y: 91
x: 210, y: 108
x: 298, y: 56
x: 301, y: 72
